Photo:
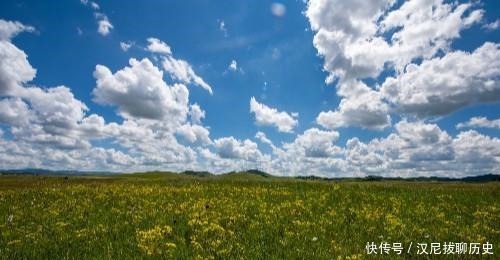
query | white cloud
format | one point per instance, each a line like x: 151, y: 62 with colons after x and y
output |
x: 125, y: 46
x: 196, y: 113
x: 53, y: 122
x: 194, y: 134
x: 15, y: 69
x: 179, y: 70
x: 231, y: 148
x: 267, y: 116
x: 360, y: 106
x: 278, y: 9
x: 348, y: 33
x: 233, y: 65
x: 315, y: 143
x: 415, y: 149
x: 359, y: 41
x: 182, y: 71
x: 476, y: 153
x: 480, y: 122
x: 157, y: 46
x: 441, y: 85
x: 9, y: 29
x: 104, y: 25
x: 343, y: 31
x: 139, y: 91
x: 14, y: 112
x: 492, y: 26
x: 263, y: 138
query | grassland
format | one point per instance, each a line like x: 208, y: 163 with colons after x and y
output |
x: 238, y: 216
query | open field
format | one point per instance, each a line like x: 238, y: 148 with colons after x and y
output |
x: 236, y: 216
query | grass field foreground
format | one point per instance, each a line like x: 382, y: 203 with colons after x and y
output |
x: 236, y: 217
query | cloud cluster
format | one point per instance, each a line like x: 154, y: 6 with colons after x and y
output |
x: 414, y: 149
x: 231, y: 148
x: 267, y: 116
x: 161, y: 128
x: 53, y: 122
x: 139, y: 91
x: 480, y: 122
x: 411, y: 43
x: 360, y: 106
x: 441, y: 85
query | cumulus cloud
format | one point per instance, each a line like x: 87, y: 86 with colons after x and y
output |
x: 476, y: 153
x: 420, y: 149
x: 441, y: 85
x: 348, y: 33
x: 139, y: 91
x: 480, y: 122
x: 196, y: 113
x: 314, y: 143
x: 157, y: 46
x: 413, y: 149
x: 9, y: 29
x: 161, y: 129
x: 360, y: 41
x: 267, y: 116
x: 194, y: 134
x: 14, y: 112
x: 15, y: 69
x: 53, y: 122
x: 36, y: 117
x: 343, y: 30
x: 231, y: 148
x: 360, y: 106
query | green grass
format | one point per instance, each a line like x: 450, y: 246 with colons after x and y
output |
x: 157, y: 215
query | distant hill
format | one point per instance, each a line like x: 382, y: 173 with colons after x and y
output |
x: 479, y: 178
x: 35, y: 171
x: 248, y: 174
x: 198, y: 173
x: 251, y: 172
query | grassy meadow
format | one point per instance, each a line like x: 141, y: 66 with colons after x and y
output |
x: 239, y: 216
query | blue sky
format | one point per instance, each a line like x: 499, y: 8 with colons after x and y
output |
x: 334, y: 93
